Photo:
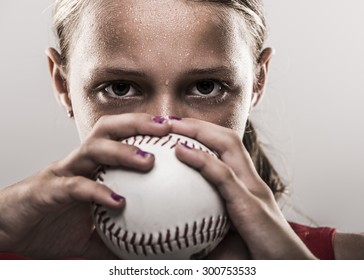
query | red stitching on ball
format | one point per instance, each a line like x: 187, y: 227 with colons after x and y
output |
x: 185, y: 236
x: 169, y: 139
x: 168, y: 240
x: 125, y: 236
x: 177, y: 238
x: 100, y: 216
x: 160, y: 243
x: 132, y: 241
x: 201, y: 230
x: 209, y: 229
x: 158, y: 139
x: 150, y: 139
x: 124, y: 241
x: 141, y: 140
x: 110, y: 228
x: 175, y: 144
x: 194, y: 233
x: 118, y: 241
x: 141, y: 246
x: 117, y: 232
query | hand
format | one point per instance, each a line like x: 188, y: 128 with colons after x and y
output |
x: 48, y: 215
x: 249, y: 202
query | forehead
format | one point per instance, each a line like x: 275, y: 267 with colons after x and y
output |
x: 160, y: 29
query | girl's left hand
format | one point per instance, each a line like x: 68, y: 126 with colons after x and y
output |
x: 250, y: 203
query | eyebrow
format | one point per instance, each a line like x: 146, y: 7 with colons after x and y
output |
x: 212, y: 70
x: 119, y: 71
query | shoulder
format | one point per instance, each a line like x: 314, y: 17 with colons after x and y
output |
x: 349, y: 246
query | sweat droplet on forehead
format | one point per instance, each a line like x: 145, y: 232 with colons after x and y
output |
x: 157, y: 27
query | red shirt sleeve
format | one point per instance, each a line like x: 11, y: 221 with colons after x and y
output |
x: 318, y: 240
x: 7, y: 256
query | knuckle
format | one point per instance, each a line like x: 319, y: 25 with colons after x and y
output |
x: 230, y: 140
x: 98, y: 189
x: 265, y: 194
x: 68, y: 183
x: 74, y: 184
x: 233, y: 138
x: 226, y: 175
x: 88, y: 147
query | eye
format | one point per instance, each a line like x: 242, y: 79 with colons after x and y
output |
x: 121, y: 89
x: 207, y: 88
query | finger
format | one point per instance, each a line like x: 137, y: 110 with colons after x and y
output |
x: 126, y: 125
x: 95, y: 152
x: 225, y: 142
x: 66, y: 190
x: 215, y: 171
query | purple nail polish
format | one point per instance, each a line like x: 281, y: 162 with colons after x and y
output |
x: 159, y: 119
x: 174, y: 118
x: 143, y: 154
x: 117, y: 197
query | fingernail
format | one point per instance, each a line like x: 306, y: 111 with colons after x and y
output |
x: 143, y: 153
x: 174, y: 118
x: 186, y: 146
x: 117, y: 197
x: 159, y: 119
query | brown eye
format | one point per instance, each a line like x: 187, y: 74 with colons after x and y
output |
x: 207, y: 88
x: 120, y: 89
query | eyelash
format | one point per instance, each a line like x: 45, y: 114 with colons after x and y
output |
x: 224, y: 88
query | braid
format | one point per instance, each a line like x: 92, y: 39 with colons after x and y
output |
x: 261, y: 162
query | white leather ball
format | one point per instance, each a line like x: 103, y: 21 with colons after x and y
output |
x: 171, y: 212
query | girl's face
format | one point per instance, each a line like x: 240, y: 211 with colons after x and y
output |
x: 162, y: 57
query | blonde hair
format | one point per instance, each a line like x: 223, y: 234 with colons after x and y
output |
x: 67, y: 14
x: 254, y: 16
x: 66, y: 20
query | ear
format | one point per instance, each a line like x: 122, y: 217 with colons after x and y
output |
x: 59, y: 80
x: 261, y: 77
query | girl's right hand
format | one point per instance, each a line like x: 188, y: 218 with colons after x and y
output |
x: 48, y: 216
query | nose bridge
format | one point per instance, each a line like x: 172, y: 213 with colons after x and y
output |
x: 165, y: 102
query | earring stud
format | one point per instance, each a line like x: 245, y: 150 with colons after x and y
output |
x: 70, y: 114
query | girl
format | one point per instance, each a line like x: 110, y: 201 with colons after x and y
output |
x: 127, y: 67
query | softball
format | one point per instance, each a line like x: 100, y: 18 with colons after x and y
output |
x: 171, y: 212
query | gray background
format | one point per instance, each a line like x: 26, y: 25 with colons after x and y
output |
x: 311, y: 119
